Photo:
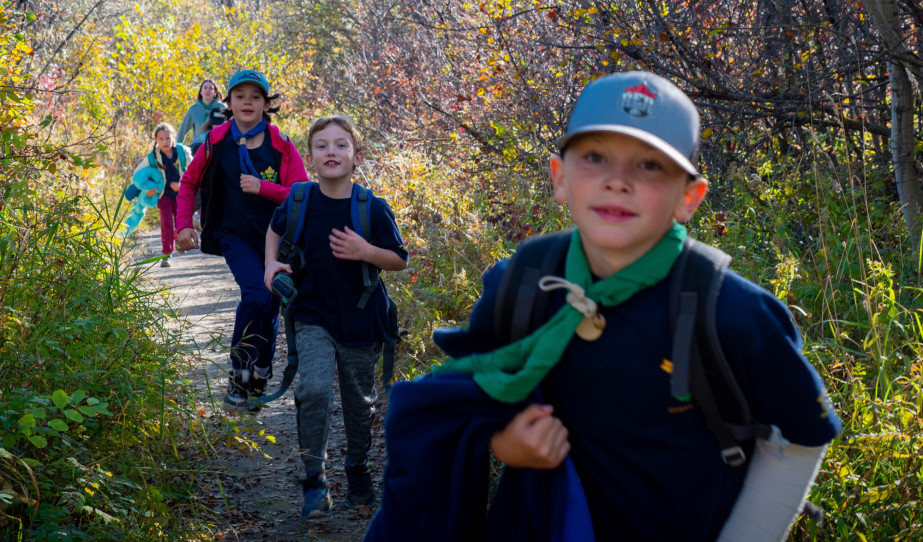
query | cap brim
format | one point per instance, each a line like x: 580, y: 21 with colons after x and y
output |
x: 636, y: 133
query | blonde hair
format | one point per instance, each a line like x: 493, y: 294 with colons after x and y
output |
x: 341, y: 120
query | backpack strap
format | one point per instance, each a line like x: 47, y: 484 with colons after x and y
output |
x: 520, y: 305
x: 700, y: 368
x: 389, y: 347
x: 300, y: 193
x: 288, y: 247
x: 361, y: 212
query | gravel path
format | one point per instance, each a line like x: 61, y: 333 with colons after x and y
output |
x: 254, y: 497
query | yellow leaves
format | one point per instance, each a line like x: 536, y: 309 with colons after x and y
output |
x: 876, y: 494
x: 844, y: 471
x: 706, y: 133
x: 23, y: 47
x: 584, y: 12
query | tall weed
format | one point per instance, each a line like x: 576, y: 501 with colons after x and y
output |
x: 91, y: 400
x: 828, y: 240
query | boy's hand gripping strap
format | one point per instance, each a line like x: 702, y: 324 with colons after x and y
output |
x: 774, y: 491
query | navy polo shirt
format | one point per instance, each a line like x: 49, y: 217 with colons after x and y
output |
x: 650, y: 467
x: 245, y: 215
x: 331, y: 289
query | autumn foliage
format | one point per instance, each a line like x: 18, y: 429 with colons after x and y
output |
x: 461, y: 103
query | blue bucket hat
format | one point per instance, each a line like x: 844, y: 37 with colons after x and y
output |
x: 644, y: 106
x: 249, y: 76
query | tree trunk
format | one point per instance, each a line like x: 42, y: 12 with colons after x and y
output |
x: 909, y: 184
x: 906, y: 176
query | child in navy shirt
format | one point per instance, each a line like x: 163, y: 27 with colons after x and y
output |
x: 333, y: 330
x: 649, y: 467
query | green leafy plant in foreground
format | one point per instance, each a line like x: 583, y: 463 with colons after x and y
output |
x: 91, y: 403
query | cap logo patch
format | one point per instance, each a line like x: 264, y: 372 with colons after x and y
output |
x: 637, y: 101
x: 250, y: 76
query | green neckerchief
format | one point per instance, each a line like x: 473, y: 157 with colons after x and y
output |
x: 208, y: 108
x: 510, y: 373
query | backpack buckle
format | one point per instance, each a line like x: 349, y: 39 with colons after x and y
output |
x: 734, y: 456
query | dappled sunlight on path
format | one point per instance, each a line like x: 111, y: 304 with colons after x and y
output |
x: 252, y: 496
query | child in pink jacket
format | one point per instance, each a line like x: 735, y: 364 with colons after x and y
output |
x: 243, y: 171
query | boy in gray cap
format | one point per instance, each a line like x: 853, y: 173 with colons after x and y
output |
x: 592, y: 387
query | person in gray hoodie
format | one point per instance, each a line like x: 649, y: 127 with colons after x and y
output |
x: 208, y: 100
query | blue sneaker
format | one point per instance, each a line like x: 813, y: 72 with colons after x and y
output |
x: 360, y: 494
x: 317, y: 501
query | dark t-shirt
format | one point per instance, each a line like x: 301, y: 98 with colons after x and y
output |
x: 245, y: 215
x: 650, y: 468
x: 331, y: 289
x: 171, y: 172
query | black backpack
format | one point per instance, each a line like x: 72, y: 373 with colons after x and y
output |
x: 290, y: 253
x: 700, y: 369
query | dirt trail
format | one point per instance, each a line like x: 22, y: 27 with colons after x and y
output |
x: 253, y: 498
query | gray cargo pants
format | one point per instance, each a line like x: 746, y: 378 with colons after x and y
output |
x: 318, y: 355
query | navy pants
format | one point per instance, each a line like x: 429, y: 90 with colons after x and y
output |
x: 253, y: 343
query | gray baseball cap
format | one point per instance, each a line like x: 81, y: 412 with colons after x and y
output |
x: 644, y: 106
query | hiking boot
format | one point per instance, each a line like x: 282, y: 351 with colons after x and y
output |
x: 317, y: 501
x: 236, y: 395
x: 256, y: 388
x: 360, y: 494
x: 257, y: 384
x: 166, y: 261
